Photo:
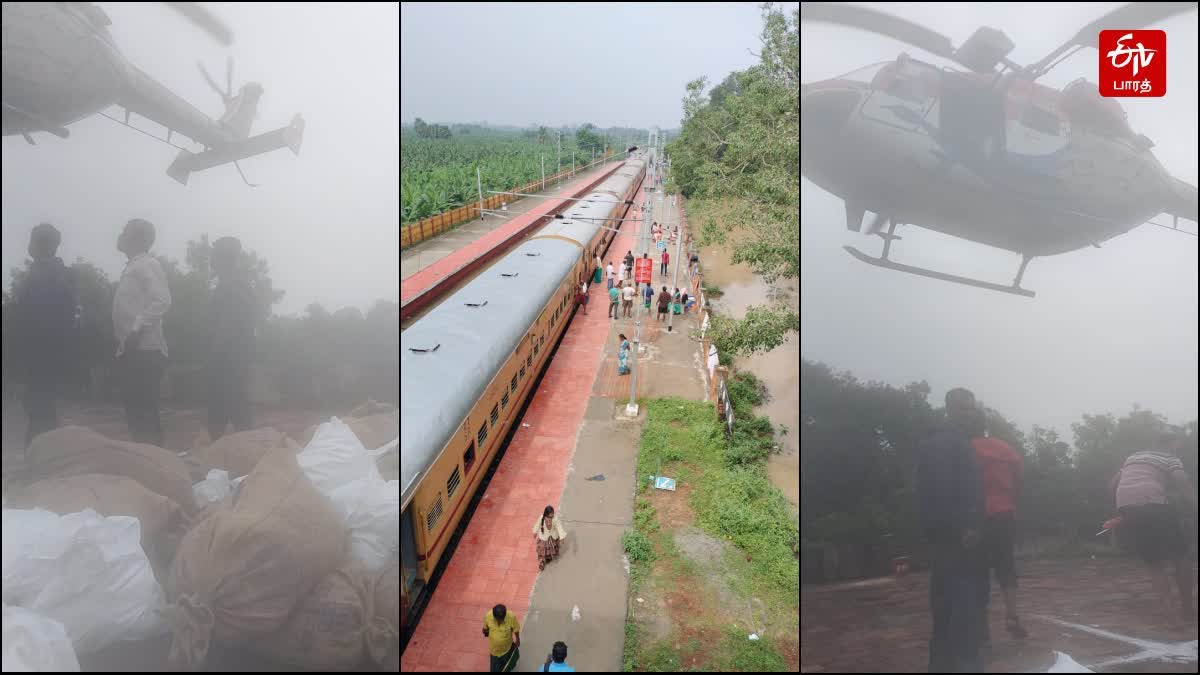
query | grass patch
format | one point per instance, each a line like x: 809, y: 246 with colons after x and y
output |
x: 733, y: 500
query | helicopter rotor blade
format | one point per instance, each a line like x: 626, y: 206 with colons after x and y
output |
x: 1133, y: 15
x: 877, y: 22
x: 204, y: 20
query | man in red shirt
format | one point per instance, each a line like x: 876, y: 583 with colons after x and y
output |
x: 1000, y: 469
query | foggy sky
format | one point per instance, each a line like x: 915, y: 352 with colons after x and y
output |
x: 326, y: 220
x: 1109, y: 327
x: 611, y: 64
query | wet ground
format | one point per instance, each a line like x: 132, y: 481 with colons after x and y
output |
x: 778, y: 369
x: 1099, y: 612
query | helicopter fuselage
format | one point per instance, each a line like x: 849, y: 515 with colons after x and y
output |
x: 1010, y: 171
x: 59, y: 65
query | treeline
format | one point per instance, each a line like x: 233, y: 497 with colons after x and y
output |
x: 858, y: 456
x: 317, y: 357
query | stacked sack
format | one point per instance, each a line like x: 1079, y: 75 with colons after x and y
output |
x: 240, y: 573
x: 343, y: 620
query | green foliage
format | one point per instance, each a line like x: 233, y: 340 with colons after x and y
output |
x: 637, y: 547
x: 297, y: 350
x: 859, y: 454
x: 762, y: 329
x: 745, y: 389
x: 588, y: 141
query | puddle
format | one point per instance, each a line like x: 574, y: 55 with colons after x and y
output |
x: 778, y: 369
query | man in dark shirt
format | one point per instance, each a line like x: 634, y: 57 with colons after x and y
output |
x: 952, y: 507
x: 45, y: 321
x: 231, y: 318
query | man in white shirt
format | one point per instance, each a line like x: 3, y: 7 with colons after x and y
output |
x: 141, y: 300
x: 610, y: 274
x: 627, y: 295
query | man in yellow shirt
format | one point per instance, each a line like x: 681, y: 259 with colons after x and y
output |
x: 504, y: 638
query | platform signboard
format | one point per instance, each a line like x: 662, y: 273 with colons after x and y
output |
x: 642, y: 269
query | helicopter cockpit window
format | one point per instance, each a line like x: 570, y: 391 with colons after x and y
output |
x: 909, y: 89
x: 866, y: 74
x: 1040, y: 120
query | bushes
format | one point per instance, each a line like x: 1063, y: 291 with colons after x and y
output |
x: 637, y: 547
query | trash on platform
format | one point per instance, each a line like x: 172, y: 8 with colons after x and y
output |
x: 753, y: 637
x: 598, y: 476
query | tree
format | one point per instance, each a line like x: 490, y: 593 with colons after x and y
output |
x: 737, y: 160
x: 588, y: 140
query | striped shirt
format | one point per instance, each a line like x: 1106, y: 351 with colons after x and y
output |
x: 1144, y: 477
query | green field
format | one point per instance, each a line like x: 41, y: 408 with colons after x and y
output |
x: 439, y: 174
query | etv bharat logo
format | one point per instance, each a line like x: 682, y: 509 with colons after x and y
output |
x: 1133, y: 63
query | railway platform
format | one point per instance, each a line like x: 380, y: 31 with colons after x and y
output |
x: 576, y: 450
x: 431, y: 269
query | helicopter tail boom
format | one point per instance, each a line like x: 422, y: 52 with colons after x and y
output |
x: 186, y: 162
x: 1182, y: 201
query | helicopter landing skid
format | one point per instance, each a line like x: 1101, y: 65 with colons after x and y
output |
x: 885, y: 263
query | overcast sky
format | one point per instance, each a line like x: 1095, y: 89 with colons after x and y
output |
x: 1109, y: 327
x: 327, y: 220
x: 611, y: 64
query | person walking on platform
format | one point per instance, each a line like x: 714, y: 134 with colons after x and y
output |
x: 503, y: 632
x: 623, y: 355
x: 622, y: 273
x: 627, y: 295
x: 666, y: 259
x: 556, y: 660
x: 629, y: 259
x: 664, y: 304
x: 648, y: 295
x: 612, y: 275
x: 614, y: 297
x: 676, y: 308
x: 548, y: 532
x: 598, y: 275
x: 581, y: 297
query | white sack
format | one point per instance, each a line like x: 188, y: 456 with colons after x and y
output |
x: 36, y: 644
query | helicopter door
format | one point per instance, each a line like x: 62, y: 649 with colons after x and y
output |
x: 970, y: 117
x: 1037, y: 132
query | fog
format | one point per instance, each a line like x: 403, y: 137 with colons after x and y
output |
x: 326, y: 220
x: 1110, y: 327
x: 611, y: 64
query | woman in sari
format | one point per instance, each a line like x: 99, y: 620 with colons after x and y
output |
x: 548, y: 532
x: 623, y: 356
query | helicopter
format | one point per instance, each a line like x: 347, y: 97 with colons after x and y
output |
x: 988, y: 155
x: 61, y: 65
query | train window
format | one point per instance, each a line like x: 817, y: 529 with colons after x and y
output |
x: 513, y: 385
x: 542, y: 339
x: 469, y: 458
x: 528, y: 361
x: 482, y: 435
x: 535, y: 349
x: 435, y: 513
x: 504, y: 398
x: 452, y: 482
x: 522, y: 372
x: 495, y: 414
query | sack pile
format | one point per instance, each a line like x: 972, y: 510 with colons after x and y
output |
x: 253, y: 542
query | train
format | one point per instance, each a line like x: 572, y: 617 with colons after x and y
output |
x: 467, y: 368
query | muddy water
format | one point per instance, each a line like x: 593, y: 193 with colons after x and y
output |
x: 778, y: 369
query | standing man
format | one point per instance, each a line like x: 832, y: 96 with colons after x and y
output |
x: 1000, y: 467
x: 666, y: 258
x: 231, y: 350
x: 627, y: 295
x: 611, y: 275
x: 1151, y: 523
x: 141, y: 300
x: 951, y: 504
x: 664, y: 304
x: 504, y: 638
x: 614, y: 297
x: 45, y: 323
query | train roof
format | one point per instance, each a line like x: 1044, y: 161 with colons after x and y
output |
x: 468, y: 337
x: 449, y: 356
